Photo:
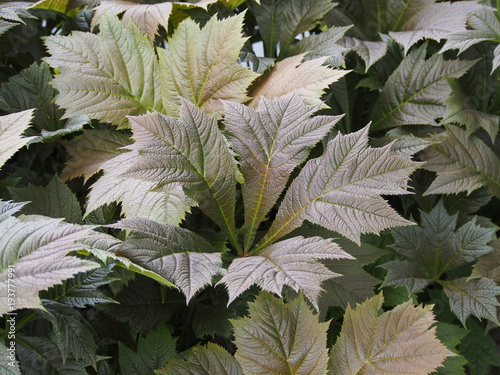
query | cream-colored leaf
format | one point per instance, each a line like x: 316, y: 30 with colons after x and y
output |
x: 11, y: 128
x: 489, y: 265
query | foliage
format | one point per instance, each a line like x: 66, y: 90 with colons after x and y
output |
x: 249, y: 187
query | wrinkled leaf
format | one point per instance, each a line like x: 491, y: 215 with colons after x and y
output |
x: 11, y: 128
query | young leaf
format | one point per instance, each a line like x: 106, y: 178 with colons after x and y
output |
x: 36, y: 248
x: 11, y: 128
x: 342, y: 190
x: 105, y: 76
x: 308, y: 79
x: 175, y: 253
x: 54, y: 200
x: 290, y: 262
x: 396, y: 341
x: 462, y: 163
x: 272, y: 141
x: 415, y: 93
x: 279, y: 338
x: 207, y: 71
x: 191, y: 152
x: 203, y: 360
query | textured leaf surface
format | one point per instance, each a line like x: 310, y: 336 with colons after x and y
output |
x: 396, y: 341
x: 415, y: 93
x: 272, y: 141
x: 8, y: 367
x: 207, y: 71
x: 36, y: 249
x: 290, y: 262
x: 190, y: 152
x: 280, y: 338
x: 342, y: 190
x: 106, y: 76
x: 370, y: 52
x: 203, y: 360
x: 8, y: 209
x: 11, y: 128
x: 462, y: 163
x: 175, y: 253
x: 308, y: 79
x: 489, y: 265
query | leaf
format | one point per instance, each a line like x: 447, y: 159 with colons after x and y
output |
x: 105, y: 76
x: 415, y: 93
x: 404, y: 145
x: 207, y: 71
x: 8, y: 363
x: 190, y: 152
x: 462, y: 163
x: 489, y: 264
x: 137, y: 198
x: 90, y: 150
x: 435, y: 21
x: 175, y: 253
x: 451, y: 335
x: 396, y: 341
x: 281, y: 338
x: 6, y: 26
x: 8, y: 209
x: 33, y: 258
x: 342, y: 190
x: 54, y: 200
x: 31, y: 89
x: 11, y: 128
x: 203, y: 360
x: 289, y: 262
x: 308, y: 79
x: 370, y: 52
x: 152, y: 352
x: 473, y: 297
x: 271, y: 142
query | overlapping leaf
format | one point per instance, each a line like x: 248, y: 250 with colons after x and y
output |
x: 462, y: 163
x: 489, y: 265
x: 11, y: 128
x: 397, y: 341
x: 271, y: 142
x: 342, y: 190
x: 106, y: 76
x: 8, y: 209
x: 279, y: 338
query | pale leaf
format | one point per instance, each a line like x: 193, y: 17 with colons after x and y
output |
x: 106, y: 76
x: 279, y: 338
x: 342, y: 190
x: 175, y: 253
x: 370, y: 52
x: 399, y: 341
x: 462, y: 163
x: 308, y: 79
x: 11, y: 128
x: 489, y: 265
x: 201, y: 65
x: 289, y: 262
x: 272, y: 141
x: 8, y: 209
x: 6, y: 26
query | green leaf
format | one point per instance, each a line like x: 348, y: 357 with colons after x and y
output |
x: 462, y: 163
x: 392, y: 342
x: 175, y: 253
x: 203, y: 360
x: 152, y: 352
x: 54, y: 200
x: 271, y: 142
x: 451, y: 335
x: 289, y: 262
x: 190, y: 152
x: 8, y: 362
x: 281, y: 338
x: 106, y: 76
x: 342, y: 190
x: 207, y: 71
x: 11, y: 128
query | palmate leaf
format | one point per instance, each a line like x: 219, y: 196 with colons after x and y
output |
x: 11, y: 128
x: 105, y: 76
x: 415, y: 93
x: 191, y: 152
x: 175, y: 253
x: 36, y: 248
x: 203, y: 360
x: 308, y: 79
x: 207, y: 71
x: 289, y: 262
x: 342, y: 190
x: 279, y: 338
x: 396, y: 341
x: 271, y: 141
x: 462, y: 163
